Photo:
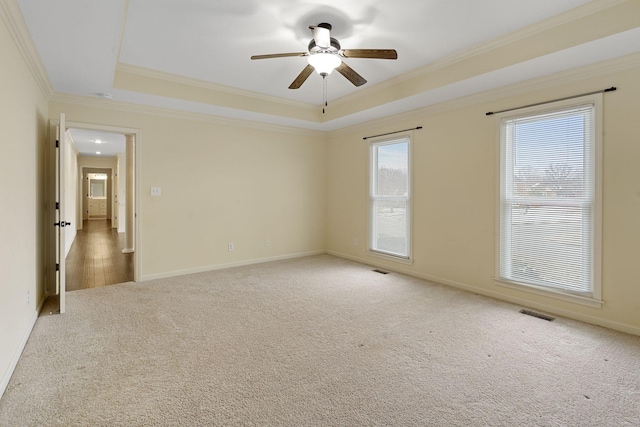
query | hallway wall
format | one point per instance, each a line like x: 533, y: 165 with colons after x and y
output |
x: 72, y: 189
x: 121, y: 192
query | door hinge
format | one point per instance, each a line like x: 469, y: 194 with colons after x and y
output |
x: 57, y: 267
x: 57, y: 205
x: 57, y: 144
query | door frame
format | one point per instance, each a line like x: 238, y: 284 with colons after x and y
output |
x: 136, y: 176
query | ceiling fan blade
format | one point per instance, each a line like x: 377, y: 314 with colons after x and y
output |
x: 321, y: 35
x: 370, y: 53
x: 302, y: 77
x: 350, y: 74
x: 279, y: 55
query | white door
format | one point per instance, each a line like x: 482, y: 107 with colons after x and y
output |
x: 60, y: 222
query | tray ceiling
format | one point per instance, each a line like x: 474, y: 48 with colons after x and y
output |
x: 193, y: 55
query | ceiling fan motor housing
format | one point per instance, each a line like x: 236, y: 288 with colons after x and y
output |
x: 334, y: 48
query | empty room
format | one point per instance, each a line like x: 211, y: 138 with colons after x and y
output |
x: 320, y: 213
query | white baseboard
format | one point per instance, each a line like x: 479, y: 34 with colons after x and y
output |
x: 16, y: 357
x: 228, y: 265
x: 622, y: 327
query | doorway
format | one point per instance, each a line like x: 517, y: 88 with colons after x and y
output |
x: 122, y: 268
x: 99, y: 255
x: 96, y: 258
x: 98, y: 196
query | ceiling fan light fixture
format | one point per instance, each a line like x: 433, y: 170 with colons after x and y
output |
x: 324, y: 55
x: 324, y: 63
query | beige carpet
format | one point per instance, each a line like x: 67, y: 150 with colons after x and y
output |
x: 317, y: 341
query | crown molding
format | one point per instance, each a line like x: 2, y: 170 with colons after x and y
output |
x: 599, y: 69
x: 177, y: 114
x: 483, y: 48
x: 202, y: 84
x: 12, y: 16
x: 570, y: 76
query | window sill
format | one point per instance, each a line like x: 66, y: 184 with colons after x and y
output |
x: 380, y: 255
x: 564, y: 296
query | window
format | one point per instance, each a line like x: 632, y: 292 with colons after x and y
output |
x: 549, y: 201
x: 390, y: 190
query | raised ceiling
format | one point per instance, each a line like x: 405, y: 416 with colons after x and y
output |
x: 193, y: 55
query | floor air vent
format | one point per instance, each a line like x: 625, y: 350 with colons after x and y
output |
x: 538, y: 315
x: 381, y: 271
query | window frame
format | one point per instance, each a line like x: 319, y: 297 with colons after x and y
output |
x: 377, y: 142
x: 592, y: 299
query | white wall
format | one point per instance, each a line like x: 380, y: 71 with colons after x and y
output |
x: 455, y: 167
x: 221, y: 183
x: 23, y: 120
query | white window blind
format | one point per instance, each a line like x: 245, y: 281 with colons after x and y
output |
x: 389, y: 198
x: 547, y: 199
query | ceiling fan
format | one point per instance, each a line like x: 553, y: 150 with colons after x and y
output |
x: 325, y: 55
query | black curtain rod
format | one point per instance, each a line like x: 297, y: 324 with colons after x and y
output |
x: 611, y: 89
x: 391, y: 133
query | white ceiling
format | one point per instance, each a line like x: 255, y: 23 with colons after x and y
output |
x: 98, y: 143
x: 81, y: 44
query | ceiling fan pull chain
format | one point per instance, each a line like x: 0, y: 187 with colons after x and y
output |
x: 324, y: 93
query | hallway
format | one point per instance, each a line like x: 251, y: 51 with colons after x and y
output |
x: 96, y: 257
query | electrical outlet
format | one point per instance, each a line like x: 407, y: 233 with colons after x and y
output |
x: 28, y: 298
x: 267, y: 243
x: 156, y: 191
x: 231, y: 247
x: 355, y: 242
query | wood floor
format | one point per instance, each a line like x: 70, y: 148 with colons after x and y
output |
x: 96, y: 257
